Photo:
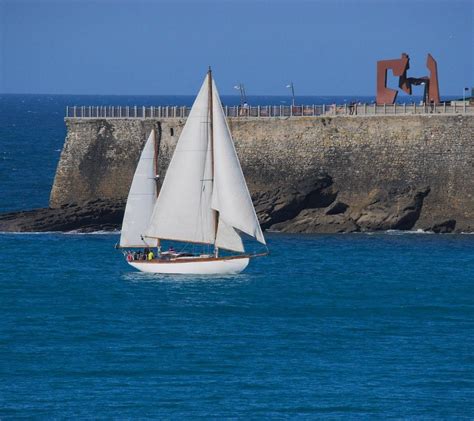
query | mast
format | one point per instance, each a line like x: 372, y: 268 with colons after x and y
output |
x: 155, y: 170
x: 211, y: 133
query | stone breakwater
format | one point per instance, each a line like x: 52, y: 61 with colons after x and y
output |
x: 305, y: 174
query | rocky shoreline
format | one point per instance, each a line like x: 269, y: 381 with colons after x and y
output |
x: 87, y: 217
x: 317, y: 206
x: 310, y: 206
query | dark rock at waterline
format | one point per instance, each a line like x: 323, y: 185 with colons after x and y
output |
x: 307, y: 207
x: 91, y: 216
x: 311, y: 206
x: 317, y: 221
x: 285, y: 203
x: 390, y: 210
x: 444, y: 227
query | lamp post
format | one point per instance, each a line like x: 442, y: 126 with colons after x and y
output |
x: 243, y: 97
x: 292, y: 87
x: 424, y: 93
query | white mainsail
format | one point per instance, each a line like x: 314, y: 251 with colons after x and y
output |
x: 230, y: 196
x: 183, y: 211
x: 203, y: 186
x: 141, y: 199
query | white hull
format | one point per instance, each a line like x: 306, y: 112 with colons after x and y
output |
x: 204, y: 267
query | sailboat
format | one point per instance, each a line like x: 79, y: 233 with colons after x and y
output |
x: 203, y: 200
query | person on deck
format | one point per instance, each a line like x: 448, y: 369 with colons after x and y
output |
x: 151, y: 255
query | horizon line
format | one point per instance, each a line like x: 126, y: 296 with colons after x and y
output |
x: 193, y: 95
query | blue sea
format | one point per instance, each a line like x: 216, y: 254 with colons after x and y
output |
x: 350, y: 326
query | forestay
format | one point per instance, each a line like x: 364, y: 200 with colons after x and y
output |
x: 141, y: 199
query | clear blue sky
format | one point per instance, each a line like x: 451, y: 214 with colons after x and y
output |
x: 164, y: 47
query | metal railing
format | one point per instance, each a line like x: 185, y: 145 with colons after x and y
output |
x: 261, y: 111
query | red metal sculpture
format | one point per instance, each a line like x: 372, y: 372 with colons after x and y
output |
x: 399, y: 68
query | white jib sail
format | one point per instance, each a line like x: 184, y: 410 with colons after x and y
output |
x: 230, y: 193
x: 183, y: 209
x: 141, y: 199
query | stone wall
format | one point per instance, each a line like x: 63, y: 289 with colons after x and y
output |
x: 369, y: 161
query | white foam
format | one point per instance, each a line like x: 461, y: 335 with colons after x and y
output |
x: 99, y: 232
x: 407, y: 232
x: 73, y: 232
x: 27, y: 232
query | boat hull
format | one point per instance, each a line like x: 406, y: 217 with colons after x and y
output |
x: 194, y: 266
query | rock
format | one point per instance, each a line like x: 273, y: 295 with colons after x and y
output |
x: 336, y: 208
x: 444, y: 227
x: 393, y: 209
x: 310, y: 206
x: 285, y: 203
x: 90, y: 216
x: 316, y: 221
x: 301, y: 209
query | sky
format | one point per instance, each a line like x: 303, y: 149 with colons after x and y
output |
x: 154, y: 47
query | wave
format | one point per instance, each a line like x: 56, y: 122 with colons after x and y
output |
x: 183, y: 278
x: 73, y: 232
x: 98, y: 232
x: 28, y: 232
x: 408, y: 232
x: 386, y: 232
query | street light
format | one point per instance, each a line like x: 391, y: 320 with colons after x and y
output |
x: 464, y: 94
x: 291, y: 86
x: 424, y: 93
x: 243, y: 97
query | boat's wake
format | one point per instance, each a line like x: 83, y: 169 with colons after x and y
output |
x: 183, y: 278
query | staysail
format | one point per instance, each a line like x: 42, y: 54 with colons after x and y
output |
x: 183, y: 209
x: 141, y: 199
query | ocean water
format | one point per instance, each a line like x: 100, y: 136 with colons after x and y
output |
x: 350, y: 326
x: 360, y: 326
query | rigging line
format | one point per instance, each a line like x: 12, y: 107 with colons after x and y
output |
x: 183, y: 248
x: 215, y: 214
